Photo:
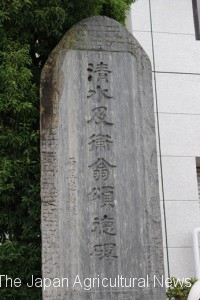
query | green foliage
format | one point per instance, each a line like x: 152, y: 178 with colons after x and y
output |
x: 179, y: 290
x: 19, y: 169
x: 29, y: 31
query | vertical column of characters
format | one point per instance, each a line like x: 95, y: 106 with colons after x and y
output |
x: 71, y: 203
x: 102, y: 191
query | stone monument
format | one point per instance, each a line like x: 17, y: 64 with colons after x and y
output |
x: 101, y: 227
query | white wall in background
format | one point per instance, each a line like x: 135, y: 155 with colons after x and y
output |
x: 165, y: 30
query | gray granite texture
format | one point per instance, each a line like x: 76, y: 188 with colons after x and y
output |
x: 99, y: 181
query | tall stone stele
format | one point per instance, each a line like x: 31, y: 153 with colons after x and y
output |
x: 99, y: 183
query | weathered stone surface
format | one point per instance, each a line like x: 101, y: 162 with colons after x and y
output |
x: 99, y: 184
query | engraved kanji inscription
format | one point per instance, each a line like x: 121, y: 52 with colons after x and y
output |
x: 102, y: 69
x: 72, y: 161
x: 98, y: 78
x: 101, y: 169
x: 100, y: 142
x: 71, y: 174
x: 71, y: 200
x: 101, y: 93
x: 99, y: 116
x: 104, y: 225
x: 105, y: 194
x: 105, y: 251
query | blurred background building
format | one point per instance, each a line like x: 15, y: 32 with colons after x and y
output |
x: 168, y: 30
